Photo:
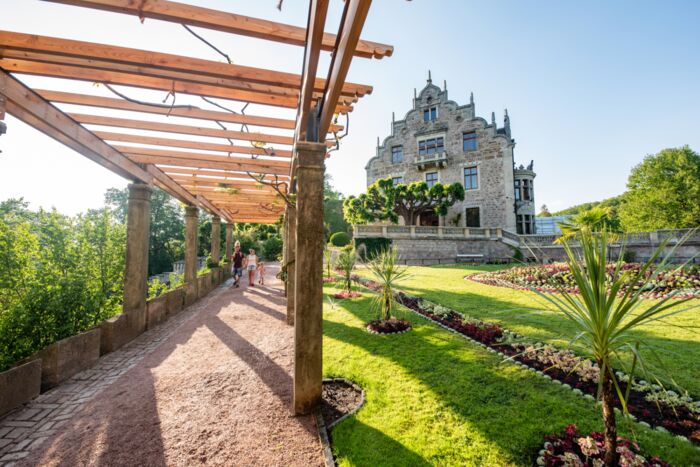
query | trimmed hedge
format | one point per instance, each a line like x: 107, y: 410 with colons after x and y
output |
x: 340, y: 239
x: 369, y: 247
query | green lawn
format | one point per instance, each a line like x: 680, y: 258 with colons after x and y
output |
x: 434, y: 398
x: 675, y: 342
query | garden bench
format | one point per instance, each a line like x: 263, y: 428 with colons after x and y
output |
x: 470, y: 257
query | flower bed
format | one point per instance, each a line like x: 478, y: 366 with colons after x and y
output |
x: 572, y: 449
x: 682, y: 282
x: 650, y: 403
x: 329, y: 280
x: 345, y: 294
x: 388, y: 326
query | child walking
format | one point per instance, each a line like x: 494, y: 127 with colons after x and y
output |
x: 261, y: 273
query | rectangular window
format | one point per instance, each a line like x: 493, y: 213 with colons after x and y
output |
x: 528, y: 225
x: 519, y: 224
x: 431, y: 178
x: 469, y: 141
x: 517, y: 190
x: 473, y: 218
x: 396, y: 180
x: 396, y: 155
x: 471, y: 178
x: 430, y: 114
x: 527, y: 189
x: 428, y: 147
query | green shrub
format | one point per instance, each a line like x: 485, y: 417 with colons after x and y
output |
x: 368, y: 248
x: 272, y: 248
x: 340, y: 239
x: 156, y: 288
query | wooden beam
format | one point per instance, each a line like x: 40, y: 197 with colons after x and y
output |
x: 149, y: 82
x: 180, y: 129
x: 354, y: 21
x: 314, y: 38
x: 245, y: 186
x: 55, y: 50
x: 29, y: 107
x: 188, y: 144
x: 200, y: 156
x: 228, y: 175
x: 227, y: 22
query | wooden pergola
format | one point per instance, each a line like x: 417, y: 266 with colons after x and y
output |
x: 246, y: 176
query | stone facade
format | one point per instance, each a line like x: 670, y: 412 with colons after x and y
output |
x: 441, y: 140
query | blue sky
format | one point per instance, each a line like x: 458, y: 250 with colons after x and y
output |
x: 591, y: 87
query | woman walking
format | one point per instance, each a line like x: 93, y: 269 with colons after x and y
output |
x: 251, y: 264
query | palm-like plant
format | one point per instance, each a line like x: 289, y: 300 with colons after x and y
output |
x: 346, y: 261
x: 328, y: 258
x: 387, y: 274
x: 595, y: 219
x: 605, y: 317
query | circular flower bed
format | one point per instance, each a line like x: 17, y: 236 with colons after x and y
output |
x: 572, y: 449
x: 345, y: 294
x: 391, y: 326
x: 683, y: 282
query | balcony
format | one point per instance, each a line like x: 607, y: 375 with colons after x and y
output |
x: 438, y: 160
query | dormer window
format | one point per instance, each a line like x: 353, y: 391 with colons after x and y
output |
x: 431, y: 146
x: 430, y: 114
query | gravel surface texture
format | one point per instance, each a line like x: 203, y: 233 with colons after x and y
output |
x: 216, y: 392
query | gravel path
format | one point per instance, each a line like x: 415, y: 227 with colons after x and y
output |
x: 216, y: 392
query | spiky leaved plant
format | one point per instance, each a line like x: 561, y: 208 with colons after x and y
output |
x: 605, y: 317
x: 387, y: 274
x: 328, y: 258
x: 346, y: 261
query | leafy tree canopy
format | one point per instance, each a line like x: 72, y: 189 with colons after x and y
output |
x: 386, y: 201
x: 663, y: 192
x: 544, y: 211
x: 333, y: 218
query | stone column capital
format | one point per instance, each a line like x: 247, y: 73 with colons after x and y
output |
x: 138, y: 190
x: 191, y: 211
x: 310, y: 155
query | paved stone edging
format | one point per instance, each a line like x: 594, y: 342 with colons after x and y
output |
x: 27, y: 427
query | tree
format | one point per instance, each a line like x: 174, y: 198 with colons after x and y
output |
x: 595, y: 219
x: 544, y: 211
x: 347, y: 258
x: 663, y: 192
x: 167, y: 237
x: 607, y: 321
x: 333, y: 218
x: 386, y: 201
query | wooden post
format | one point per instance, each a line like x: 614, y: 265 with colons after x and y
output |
x: 215, y: 240
x: 138, y: 226
x: 285, y: 243
x: 291, y: 263
x: 191, y: 289
x: 308, y: 320
x: 229, y: 241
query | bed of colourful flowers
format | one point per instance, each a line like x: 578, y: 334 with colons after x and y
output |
x: 683, y: 282
x: 573, y: 449
x: 649, y: 404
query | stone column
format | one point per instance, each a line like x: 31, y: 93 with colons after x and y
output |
x: 215, y: 240
x: 308, y: 296
x: 229, y: 241
x: 291, y: 262
x: 138, y: 227
x: 285, y: 242
x: 191, y: 289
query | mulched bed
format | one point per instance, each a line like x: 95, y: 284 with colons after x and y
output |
x: 345, y: 294
x: 392, y: 326
x: 339, y: 398
x: 678, y: 420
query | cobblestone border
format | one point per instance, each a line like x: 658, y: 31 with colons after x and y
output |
x: 387, y: 333
x: 27, y: 427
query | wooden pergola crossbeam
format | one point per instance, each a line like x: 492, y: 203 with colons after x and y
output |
x: 166, y: 84
x: 189, y: 144
x: 227, y: 22
x: 226, y: 174
x: 180, y: 129
x: 55, y: 50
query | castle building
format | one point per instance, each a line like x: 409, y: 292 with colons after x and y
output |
x: 441, y: 141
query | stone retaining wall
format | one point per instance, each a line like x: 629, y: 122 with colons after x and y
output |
x: 444, y: 251
x: 67, y: 357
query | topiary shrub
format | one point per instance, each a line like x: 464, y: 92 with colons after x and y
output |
x: 368, y: 248
x: 340, y: 239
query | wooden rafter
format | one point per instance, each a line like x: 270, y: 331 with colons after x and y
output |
x: 226, y: 22
x: 55, y: 50
x: 180, y: 129
x: 189, y: 144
